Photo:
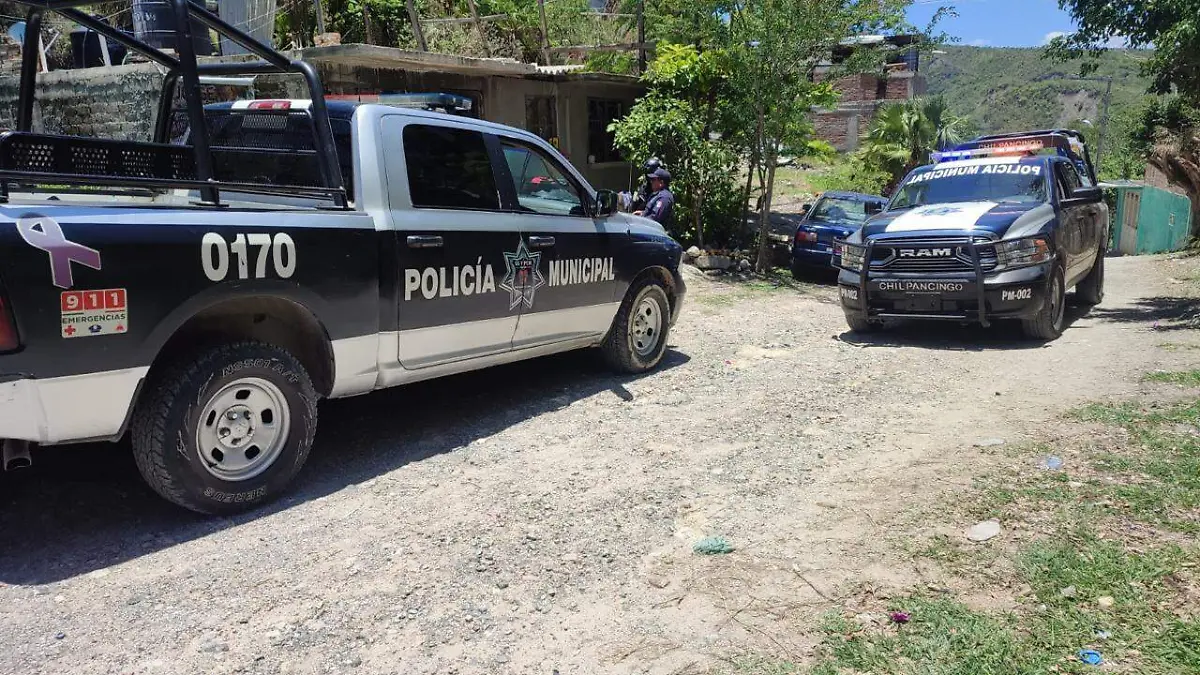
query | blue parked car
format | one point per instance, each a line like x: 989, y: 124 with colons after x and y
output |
x: 836, y: 215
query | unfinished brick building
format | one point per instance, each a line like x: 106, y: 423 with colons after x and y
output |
x: 862, y: 95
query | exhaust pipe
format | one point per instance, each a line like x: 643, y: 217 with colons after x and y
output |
x: 16, y: 454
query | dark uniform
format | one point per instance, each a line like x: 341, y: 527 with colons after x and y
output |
x: 660, y: 206
x: 643, y: 194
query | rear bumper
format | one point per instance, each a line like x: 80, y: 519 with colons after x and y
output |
x: 812, y: 257
x: 87, y: 407
x: 1015, y: 294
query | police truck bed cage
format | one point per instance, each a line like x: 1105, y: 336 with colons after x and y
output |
x: 27, y: 158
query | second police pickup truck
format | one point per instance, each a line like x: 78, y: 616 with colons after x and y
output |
x: 207, y: 310
x: 999, y: 228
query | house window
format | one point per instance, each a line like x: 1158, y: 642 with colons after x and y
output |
x: 541, y: 117
x: 601, y: 113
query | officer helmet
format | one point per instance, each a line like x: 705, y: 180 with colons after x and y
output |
x: 651, y: 165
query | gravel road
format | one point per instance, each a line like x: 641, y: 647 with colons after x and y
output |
x: 540, y: 518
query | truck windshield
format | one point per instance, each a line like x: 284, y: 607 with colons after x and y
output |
x: 1015, y: 183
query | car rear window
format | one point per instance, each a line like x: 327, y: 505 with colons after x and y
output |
x: 449, y: 169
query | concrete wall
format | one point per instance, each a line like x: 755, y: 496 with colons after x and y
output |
x: 573, y: 126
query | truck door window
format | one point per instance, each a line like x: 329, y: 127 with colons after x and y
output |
x: 449, y: 169
x: 1068, y: 178
x: 540, y: 185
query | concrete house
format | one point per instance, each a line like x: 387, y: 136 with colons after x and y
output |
x: 567, y: 107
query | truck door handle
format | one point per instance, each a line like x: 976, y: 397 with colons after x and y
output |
x: 424, y: 241
x: 541, y: 242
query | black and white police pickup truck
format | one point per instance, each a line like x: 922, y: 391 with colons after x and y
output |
x: 206, y: 321
x: 997, y: 229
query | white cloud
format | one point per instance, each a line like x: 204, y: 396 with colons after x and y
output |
x: 1117, y: 42
x: 1051, y: 35
x: 980, y: 43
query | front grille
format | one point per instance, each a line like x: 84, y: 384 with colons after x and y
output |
x: 886, y: 255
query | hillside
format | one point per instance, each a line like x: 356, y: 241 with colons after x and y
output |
x: 1006, y: 89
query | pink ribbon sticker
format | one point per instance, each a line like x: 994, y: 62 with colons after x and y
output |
x: 45, y: 234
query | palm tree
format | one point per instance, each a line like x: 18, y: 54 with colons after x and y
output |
x: 903, y: 135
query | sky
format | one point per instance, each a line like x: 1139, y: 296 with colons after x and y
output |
x: 997, y: 23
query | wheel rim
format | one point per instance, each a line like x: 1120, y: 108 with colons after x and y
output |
x: 1057, y: 306
x: 645, y: 330
x: 243, y: 429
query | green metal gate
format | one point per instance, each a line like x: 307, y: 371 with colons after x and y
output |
x: 1149, y: 219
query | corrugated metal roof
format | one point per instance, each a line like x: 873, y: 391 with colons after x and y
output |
x: 561, y: 70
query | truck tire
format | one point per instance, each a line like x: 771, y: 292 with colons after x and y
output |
x: 857, y: 324
x: 1047, y: 324
x: 1090, y: 291
x: 638, y: 337
x: 227, y: 429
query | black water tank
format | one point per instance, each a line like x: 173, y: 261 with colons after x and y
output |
x: 85, y: 49
x: 154, y: 23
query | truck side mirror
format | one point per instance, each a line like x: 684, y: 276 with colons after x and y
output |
x: 806, y: 208
x: 1084, y: 195
x: 606, y: 203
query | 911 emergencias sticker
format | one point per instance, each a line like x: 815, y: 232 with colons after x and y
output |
x: 98, y: 312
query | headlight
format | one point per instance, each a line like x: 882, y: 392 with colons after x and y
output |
x: 1022, y: 252
x: 849, y: 256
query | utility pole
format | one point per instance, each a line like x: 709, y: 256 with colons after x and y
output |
x: 1103, y: 116
x: 545, y: 35
x: 320, y: 17
x: 416, y: 24
x: 479, y: 28
x: 1103, y: 123
x: 641, y: 36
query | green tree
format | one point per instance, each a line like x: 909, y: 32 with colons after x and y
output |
x: 903, y: 135
x: 777, y: 47
x: 1170, y: 132
x: 679, y: 121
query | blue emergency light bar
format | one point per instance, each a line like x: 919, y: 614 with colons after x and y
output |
x: 980, y: 153
x: 1008, y: 147
x: 452, y: 103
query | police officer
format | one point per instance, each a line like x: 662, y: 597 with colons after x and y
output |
x: 660, y: 206
x: 644, y: 192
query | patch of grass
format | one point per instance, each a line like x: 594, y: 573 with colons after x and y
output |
x: 1155, y: 478
x: 1176, y: 346
x: 997, y: 495
x: 1188, y: 378
x: 946, y: 637
x: 943, y: 636
x: 778, y: 280
x: 1129, y: 600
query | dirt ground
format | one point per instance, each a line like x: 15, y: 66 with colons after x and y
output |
x: 540, y: 518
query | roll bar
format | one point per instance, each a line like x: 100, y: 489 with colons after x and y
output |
x: 184, y: 71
